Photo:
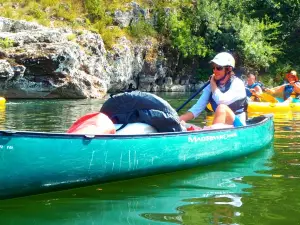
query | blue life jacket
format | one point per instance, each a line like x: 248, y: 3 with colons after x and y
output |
x: 288, y: 91
x: 238, y: 107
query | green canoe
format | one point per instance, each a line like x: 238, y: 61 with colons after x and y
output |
x: 36, y: 162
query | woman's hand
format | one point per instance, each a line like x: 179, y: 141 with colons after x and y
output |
x: 297, y: 87
x: 213, y: 83
x: 268, y: 90
x: 254, y: 92
x: 212, y: 79
x: 186, y: 117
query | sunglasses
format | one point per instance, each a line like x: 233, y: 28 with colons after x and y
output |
x: 291, y: 77
x: 218, y: 68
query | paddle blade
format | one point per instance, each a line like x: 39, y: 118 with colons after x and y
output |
x: 209, y: 107
x: 267, y: 97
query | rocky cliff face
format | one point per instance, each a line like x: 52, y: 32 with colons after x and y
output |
x: 41, y: 62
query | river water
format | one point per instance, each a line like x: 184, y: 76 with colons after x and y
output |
x: 262, y: 188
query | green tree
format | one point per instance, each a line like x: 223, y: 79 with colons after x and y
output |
x: 287, y: 13
x: 255, y: 43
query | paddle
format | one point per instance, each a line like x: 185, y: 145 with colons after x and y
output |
x: 193, y: 96
x: 267, y: 97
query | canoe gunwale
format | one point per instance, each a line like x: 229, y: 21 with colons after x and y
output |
x: 264, y: 119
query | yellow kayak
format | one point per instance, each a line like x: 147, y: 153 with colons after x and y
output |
x: 269, y: 107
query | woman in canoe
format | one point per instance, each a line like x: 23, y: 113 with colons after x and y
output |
x: 291, y: 89
x: 226, y: 93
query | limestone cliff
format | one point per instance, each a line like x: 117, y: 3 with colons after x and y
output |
x: 42, y: 62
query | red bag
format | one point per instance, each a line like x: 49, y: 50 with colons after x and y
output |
x: 93, y: 123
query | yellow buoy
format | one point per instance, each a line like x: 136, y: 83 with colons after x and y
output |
x: 2, y: 101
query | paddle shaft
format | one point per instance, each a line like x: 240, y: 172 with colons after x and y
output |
x: 193, y: 96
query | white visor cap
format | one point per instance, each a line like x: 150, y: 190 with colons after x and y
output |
x: 224, y: 59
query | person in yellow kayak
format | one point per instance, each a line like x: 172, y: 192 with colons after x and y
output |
x: 291, y: 88
x: 226, y: 93
x: 253, y: 89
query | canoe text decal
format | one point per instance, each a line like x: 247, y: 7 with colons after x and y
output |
x: 8, y: 147
x: 212, y: 138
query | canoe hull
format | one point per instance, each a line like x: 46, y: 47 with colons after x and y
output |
x: 32, y: 163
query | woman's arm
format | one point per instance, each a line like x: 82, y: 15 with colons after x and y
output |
x: 275, y: 89
x: 296, y: 87
x: 186, y: 117
x: 258, y: 90
x: 197, y: 108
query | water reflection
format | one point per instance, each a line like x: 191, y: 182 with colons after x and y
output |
x: 222, y: 209
x: 2, y: 116
x: 219, y: 194
x: 47, y: 115
x: 163, y: 198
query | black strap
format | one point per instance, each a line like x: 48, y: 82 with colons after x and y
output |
x: 127, y: 120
